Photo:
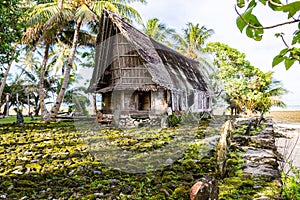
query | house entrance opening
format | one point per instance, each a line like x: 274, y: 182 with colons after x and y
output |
x: 144, y: 101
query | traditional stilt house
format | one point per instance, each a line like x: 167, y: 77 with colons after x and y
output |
x: 138, y: 76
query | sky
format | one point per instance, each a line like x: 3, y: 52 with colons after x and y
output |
x: 220, y: 16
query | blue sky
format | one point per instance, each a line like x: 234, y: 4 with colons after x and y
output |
x: 220, y: 16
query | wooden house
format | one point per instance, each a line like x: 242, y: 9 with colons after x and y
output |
x: 137, y: 75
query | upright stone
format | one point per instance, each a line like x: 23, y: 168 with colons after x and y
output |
x: 205, y: 189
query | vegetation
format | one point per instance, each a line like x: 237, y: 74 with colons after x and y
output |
x: 59, y: 160
x: 247, y: 86
x: 291, y: 184
x: 82, y: 161
x: 54, y: 25
x: 158, y: 31
x: 63, y: 39
x: 249, y: 22
x: 11, y: 27
x: 193, y: 39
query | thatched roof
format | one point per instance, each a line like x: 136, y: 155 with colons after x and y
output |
x: 168, y: 68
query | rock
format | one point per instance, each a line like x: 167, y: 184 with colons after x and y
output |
x: 206, y: 189
x: 169, y: 161
x: 127, y: 189
x: 114, y: 181
x: 17, y: 172
x: 97, y: 172
x: 72, y: 172
x: 27, y: 153
x: 263, y: 171
x: 262, y: 198
x: 10, y: 187
x: 223, y: 146
x: 261, y: 163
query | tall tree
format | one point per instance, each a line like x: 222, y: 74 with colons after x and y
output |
x: 45, y: 25
x: 11, y: 28
x: 191, y: 44
x: 158, y: 31
x: 31, y: 67
x: 193, y: 40
x: 85, y: 13
x: 272, y: 92
x: 249, y: 22
x: 246, y: 85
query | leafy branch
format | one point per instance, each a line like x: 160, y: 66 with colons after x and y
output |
x: 255, y: 30
x: 264, y: 27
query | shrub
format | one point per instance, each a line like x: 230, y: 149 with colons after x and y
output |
x: 174, y: 120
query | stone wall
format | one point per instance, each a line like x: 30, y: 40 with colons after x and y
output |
x: 260, y: 159
x: 136, y: 120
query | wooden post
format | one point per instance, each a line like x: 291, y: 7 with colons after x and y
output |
x: 95, y: 103
x: 28, y: 102
x: 7, y: 105
x: 122, y: 101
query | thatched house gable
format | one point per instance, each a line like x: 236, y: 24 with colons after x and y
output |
x: 167, y: 67
x: 142, y: 74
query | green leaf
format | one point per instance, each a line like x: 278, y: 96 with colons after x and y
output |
x: 240, y: 24
x: 246, y: 15
x: 296, y: 38
x: 250, y: 32
x: 275, y: 7
x: 263, y: 1
x: 255, y: 34
x: 288, y: 63
x: 252, y: 4
x: 240, y: 3
x: 277, y: 59
x: 283, y: 51
x: 291, y: 8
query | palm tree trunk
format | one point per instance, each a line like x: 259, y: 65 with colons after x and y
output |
x: 3, y: 81
x: 61, y: 94
x: 44, y: 111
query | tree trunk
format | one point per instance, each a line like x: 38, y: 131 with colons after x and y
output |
x: 95, y: 103
x: 44, y: 111
x: 61, y: 94
x: 6, y: 108
x: 3, y: 81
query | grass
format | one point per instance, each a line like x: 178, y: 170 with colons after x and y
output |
x: 12, y: 119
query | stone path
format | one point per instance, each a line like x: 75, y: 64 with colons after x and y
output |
x: 289, y: 146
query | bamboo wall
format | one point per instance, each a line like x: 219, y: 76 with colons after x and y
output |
x: 127, y: 68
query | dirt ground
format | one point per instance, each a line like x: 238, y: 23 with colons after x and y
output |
x: 285, y: 116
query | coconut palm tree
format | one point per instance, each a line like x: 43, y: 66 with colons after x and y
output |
x: 85, y: 12
x: 193, y: 39
x: 31, y: 68
x: 45, y: 22
x: 158, y: 31
x: 272, y: 91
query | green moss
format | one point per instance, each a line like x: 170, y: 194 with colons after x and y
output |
x: 236, y: 188
x: 63, y: 167
x: 180, y: 192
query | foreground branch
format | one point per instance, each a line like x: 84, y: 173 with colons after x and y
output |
x: 264, y: 27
